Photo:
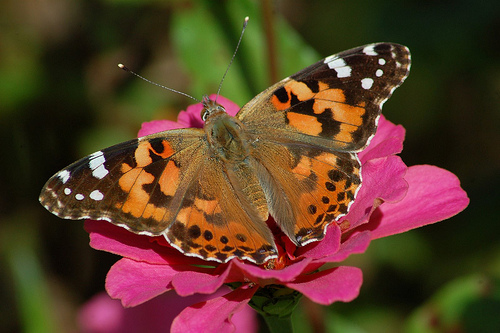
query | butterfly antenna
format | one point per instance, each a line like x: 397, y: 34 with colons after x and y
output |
x: 245, y: 23
x: 156, y: 84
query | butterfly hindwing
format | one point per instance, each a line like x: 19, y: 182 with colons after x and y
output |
x: 218, y: 221
x: 310, y: 187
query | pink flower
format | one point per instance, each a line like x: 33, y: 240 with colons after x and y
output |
x: 394, y: 198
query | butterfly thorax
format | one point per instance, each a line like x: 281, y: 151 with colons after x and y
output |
x: 225, y: 134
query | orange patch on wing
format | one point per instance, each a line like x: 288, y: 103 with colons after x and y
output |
x: 278, y: 104
x: 345, y: 134
x: 299, y: 89
x: 142, y: 157
x: 157, y: 213
x: 327, y: 158
x: 249, y: 243
x: 192, y: 215
x: 137, y: 198
x: 170, y: 179
x: 125, y: 168
x: 188, y: 213
x: 330, y: 95
x: 142, y: 152
x: 128, y: 179
x: 320, y: 165
x: 303, y: 168
x: 133, y: 179
x: 208, y: 206
x: 334, y: 99
x: 323, y: 163
x: 304, y: 123
x: 167, y: 149
x: 349, y: 114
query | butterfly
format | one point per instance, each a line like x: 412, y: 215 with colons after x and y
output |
x: 291, y: 152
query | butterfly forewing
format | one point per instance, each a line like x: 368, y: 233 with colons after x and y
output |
x: 132, y: 184
x: 334, y: 103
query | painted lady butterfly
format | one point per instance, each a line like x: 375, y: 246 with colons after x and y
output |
x: 290, y: 153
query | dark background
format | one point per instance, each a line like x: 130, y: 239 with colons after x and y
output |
x: 62, y: 97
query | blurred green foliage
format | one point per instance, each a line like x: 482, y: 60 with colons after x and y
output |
x: 61, y: 97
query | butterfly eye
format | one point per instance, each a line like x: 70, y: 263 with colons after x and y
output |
x: 204, y: 115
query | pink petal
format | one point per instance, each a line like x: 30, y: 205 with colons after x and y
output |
x: 256, y: 273
x: 101, y: 315
x: 231, y: 107
x: 213, y: 315
x: 156, y: 126
x: 136, y: 282
x: 191, y: 117
x: 108, y: 237
x: 382, y: 178
x: 387, y: 141
x: 357, y: 243
x: 327, y: 246
x: 331, y: 285
x: 190, y: 282
x: 434, y: 195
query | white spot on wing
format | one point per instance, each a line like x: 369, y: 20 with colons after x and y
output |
x: 64, y: 176
x: 381, y: 61
x: 67, y: 191
x: 96, y: 195
x: 379, y: 72
x: 339, y: 66
x: 368, y: 50
x: 79, y: 197
x: 331, y: 59
x: 343, y: 71
x: 367, y: 83
x: 96, y: 164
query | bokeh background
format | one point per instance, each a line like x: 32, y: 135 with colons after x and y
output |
x: 62, y: 97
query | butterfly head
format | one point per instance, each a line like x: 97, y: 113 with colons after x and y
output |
x: 210, y: 108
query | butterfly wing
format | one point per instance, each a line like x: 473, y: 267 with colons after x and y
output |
x: 218, y: 220
x: 308, y: 128
x: 307, y: 187
x: 130, y: 184
x: 334, y: 103
x: 164, y: 184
